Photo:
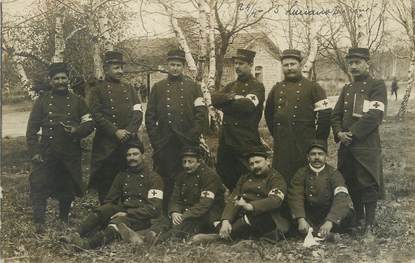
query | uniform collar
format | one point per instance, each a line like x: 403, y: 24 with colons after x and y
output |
x: 361, y: 78
x: 262, y: 175
x: 245, y: 78
x: 135, y: 169
x: 60, y: 92
x: 112, y: 80
x: 175, y: 78
x: 297, y: 78
x: 317, y: 171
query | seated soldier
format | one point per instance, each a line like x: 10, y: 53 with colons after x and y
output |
x: 134, y: 199
x: 252, y: 209
x: 317, y: 194
x: 197, y: 201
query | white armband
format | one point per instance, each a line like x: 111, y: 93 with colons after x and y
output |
x: 376, y: 105
x: 155, y: 193
x: 138, y: 107
x: 199, y: 102
x: 276, y: 192
x: 253, y: 98
x: 340, y: 189
x: 207, y: 194
x: 322, y: 105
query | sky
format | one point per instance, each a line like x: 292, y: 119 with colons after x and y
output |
x: 157, y: 25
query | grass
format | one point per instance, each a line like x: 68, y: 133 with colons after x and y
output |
x: 395, y: 219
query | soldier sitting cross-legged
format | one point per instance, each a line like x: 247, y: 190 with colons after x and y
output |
x: 253, y: 207
x: 134, y: 199
x: 318, y: 196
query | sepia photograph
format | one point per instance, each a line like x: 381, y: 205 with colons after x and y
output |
x: 207, y: 131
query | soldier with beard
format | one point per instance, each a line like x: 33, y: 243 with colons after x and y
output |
x: 64, y: 120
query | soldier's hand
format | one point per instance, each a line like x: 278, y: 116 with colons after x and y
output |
x: 225, y: 229
x: 68, y: 128
x: 37, y: 158
x: 177, y: 218
x: 345, y: 137
x: 119, y: 214
x: 325, y: 229
x: 122, y: 135
x: 303, y: 226
x: 245, y: 205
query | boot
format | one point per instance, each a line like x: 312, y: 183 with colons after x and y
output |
x: 89, y: 224
x: 39, y: 211
x: 128, y: 235
x: 370, y: 209
x: 64, y: 208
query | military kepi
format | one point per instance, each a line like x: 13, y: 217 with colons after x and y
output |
x: 317, y: 144
x: 191, y: 151
x: 292, y: 53
x: 56, y: 68
x: 113, y: 57
x: 245, y: 55
x: 358, y: 52
x: 176, y: 54
x: 134, y: 142
x: 259, y: 150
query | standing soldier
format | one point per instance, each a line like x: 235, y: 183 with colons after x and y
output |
x: 134, y: 199
x: 296, y: 112
x: 176, y: 116
x: 356, y: 118
x: 117, y: 111
x: 318, y: 196
x: 64, y: 119
x: 241, y: 102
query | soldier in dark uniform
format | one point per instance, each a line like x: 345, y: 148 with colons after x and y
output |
x: 198, y: 198
x: 296, y: 112
x: 175, y: 117
x: 64, y: 119
x: 317, y: 195
x: 253, y: 207
x: 134, y: 199
x: 118, y: 114
x: 241, y: 102
x: 356, y: 118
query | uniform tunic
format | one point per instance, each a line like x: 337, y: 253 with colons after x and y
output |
x: 114, y: 105
x: 318, y: 197
x: 296, y: 113
x: 139, y: 193
x: 239, y: 131
x: 59, y: 174
x: 360, y: 109
x: 265, y: 193
x: 176, y: 116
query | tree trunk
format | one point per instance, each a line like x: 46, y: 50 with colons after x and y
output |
x: 59, y: 41
x: 220, y: 61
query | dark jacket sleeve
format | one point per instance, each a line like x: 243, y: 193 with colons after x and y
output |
x: 373, y: 118
x: 337, y: 116
x: 341, y: 201
x: 296, y: 195
x: 200, y: 113
x: 209, y: 190
x: 275, y: 196
x: 137, y: 116
x: 33, y: 127
x: 151, y: 116
x: 228, y: 104
x: 95, y: 105
x: 230, y: 211
x: 269, y: 111
x: 86, y: 125
x: 176, y: 202
x: 323, y: 112
x: 115, y: 193
x: 152, y: 208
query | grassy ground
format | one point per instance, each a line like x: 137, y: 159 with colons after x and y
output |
x: 395, y: 219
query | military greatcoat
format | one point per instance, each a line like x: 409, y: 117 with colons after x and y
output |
x: 360, y: 110
x: 318, y: 197
x: 114, y: 105
x: 242, y: 103
x: 61, y: 151
x: 296, y: 112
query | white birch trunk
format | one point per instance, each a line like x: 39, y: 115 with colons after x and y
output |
x: 59, y: 41
x: 105, y: 34
x: 362, y: 27
x: 313, y: 50
x: 212, y: 53
x: 98, y: 68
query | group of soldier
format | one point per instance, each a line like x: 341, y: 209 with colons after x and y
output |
x: 294, y: 190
